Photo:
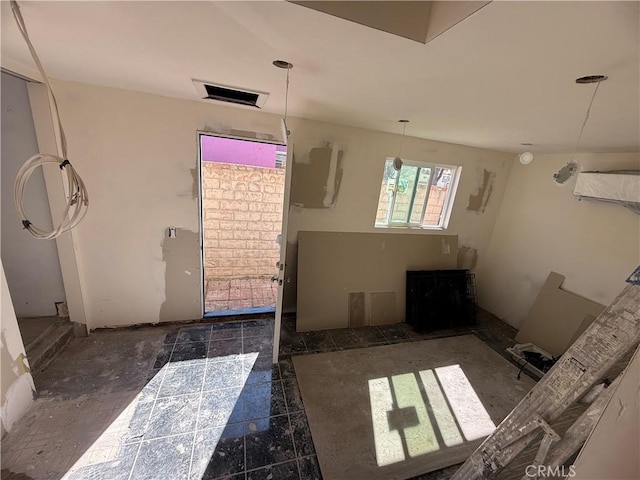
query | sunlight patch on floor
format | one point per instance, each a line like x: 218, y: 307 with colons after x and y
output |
x: 472, y: 417
x: 401, y: 413
x: 134, y: 418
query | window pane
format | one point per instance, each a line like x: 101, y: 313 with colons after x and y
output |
x: 386, y: 193
x: 421, y: 193
x: 438, y: 196
x: 406, y: 184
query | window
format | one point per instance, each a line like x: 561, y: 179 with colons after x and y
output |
x: 419, y: 195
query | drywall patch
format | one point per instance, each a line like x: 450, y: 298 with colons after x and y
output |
x: 445, y: 248
x: 8, y: 375
x: 18, y: 399
x: 182, y: 278
x: 195, y: 186
x: 22, y: 364
x: 478, y: 202
x: 17, y: 385
x: 467, y: 257
x: 316, y: 179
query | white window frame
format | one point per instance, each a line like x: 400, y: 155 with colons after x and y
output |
x: 448, y: 201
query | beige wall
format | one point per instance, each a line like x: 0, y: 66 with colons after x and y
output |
x: 137, y: 154
x: 542, y: 227
x: 364, y: 155
x: 117, y: 137
x: 18, y: 390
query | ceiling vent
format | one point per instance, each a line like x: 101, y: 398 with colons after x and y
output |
x: 227, y: 94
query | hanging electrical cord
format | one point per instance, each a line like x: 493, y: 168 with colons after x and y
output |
x: 77, y: 196
x: 570, y: 168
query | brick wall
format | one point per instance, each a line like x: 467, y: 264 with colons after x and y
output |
x: 242, y: 208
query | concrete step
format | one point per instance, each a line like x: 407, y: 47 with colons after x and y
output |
x: 48, y: 344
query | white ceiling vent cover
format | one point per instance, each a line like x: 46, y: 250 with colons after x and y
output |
x: 228, y: 94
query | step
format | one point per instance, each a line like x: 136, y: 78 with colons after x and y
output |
x: 49, y: 343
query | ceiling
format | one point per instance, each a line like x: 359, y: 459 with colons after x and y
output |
x: 501, y: 77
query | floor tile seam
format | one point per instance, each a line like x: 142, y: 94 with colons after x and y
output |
x: 269, y: 416
x: 244, y: 436
x: 162, y: 437
x: 299, y: 469
x: 293, y: 442
x: 271, y: 465
x: 150, y: 414
x: 211, y: 339
x: 195, y: 392
x: 193, y: 446
x: 266, y: 416
x: 333, y: 342
x: 202, y: 391
x: 284, y: 394
x: 191, y: 366
x: 191, y: 341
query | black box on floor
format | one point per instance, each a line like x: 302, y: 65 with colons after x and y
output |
x: 441, y: 299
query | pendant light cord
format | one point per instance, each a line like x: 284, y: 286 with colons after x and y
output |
x: 404, y: 127
x: 17, y: 15
x: 286, y: 96
x: 584, y: 123
x: 77, y: 196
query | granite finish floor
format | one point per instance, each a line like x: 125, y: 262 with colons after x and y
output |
x: 193, y: 402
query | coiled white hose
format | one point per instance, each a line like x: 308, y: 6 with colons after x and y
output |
x: 77, y: 199
x: 77, y: 196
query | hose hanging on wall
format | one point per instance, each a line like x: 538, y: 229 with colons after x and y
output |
x: 77, y: 196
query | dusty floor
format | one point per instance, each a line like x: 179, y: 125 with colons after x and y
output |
x: 198, y: 402
x: 228, y: 294
x: 405, y: 408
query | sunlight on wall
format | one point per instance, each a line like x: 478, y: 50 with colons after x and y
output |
x: 402, y: 411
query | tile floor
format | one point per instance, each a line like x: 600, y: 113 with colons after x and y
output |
x: 196, y: 402
x: 240, y: 293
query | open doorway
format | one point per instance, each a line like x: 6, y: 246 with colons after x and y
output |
x: 31, y: 266
x: 242, y: 188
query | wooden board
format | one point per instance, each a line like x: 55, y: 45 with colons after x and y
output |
x: 557, y: 317
x: 333, y: 265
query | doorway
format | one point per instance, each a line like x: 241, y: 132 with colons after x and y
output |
x: 242, y: 191
x: 31, y: 266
